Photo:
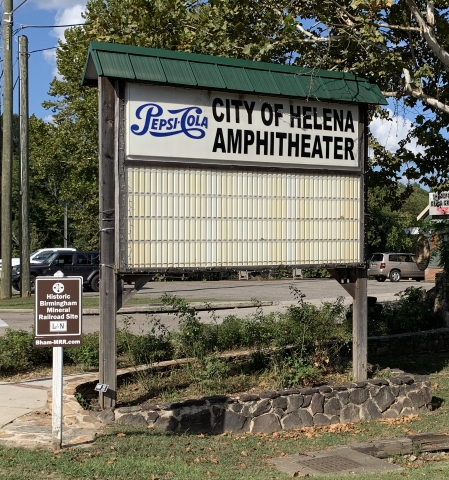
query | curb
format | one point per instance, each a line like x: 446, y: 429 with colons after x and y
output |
x: 200, y: 306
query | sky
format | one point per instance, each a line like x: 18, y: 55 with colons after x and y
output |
x: 42, y: 66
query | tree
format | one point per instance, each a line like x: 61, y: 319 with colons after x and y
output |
x: 403, y: 45
x: 386, y: 226
x: 224, y: 28
x: 59, y: 176
x: 403, y: 49
x: 416, y: 202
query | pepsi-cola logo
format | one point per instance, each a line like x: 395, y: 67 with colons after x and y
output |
x: 189, y: 121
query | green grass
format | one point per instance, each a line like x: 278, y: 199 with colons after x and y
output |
x: 123, y: 453
x: 17, y: 302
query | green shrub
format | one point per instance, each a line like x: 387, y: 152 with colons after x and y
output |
x: 315, y: 273
x: 255, y: 333
x: 306, y: 324
x: 122, y: 340
x: 87, y: 354
x: 16, y: 350
x: 40, y: 355
x: 413, y: 312
x: 147, y: 349
x: 18, y: 353
x: 229, y: 334
x: 194, y: 339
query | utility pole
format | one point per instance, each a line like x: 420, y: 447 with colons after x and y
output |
x: 24, y: 169
x: 6, y: 228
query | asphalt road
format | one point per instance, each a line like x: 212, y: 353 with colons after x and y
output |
x: 277, y: 291
x: 269, y: 290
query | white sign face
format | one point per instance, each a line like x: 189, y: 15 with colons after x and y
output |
x: 179, y: 124
x: 439, y: 203
x: 58, y: 326
x: 198, y: 217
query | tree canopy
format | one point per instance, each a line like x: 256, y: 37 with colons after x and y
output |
x: 401, y: 44
x: 386, y: 227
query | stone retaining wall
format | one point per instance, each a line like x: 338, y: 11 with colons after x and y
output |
x: 430, y: 341
x: 441, y: 302
x: 269, y: 412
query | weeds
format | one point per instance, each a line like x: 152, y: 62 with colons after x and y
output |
x: 82, y: 401
x: 208, y: 374
x: 146, y: 348
x: 293, y: 371
x: 194, y: 338
x: 411, y: 313
x: 293, y: 348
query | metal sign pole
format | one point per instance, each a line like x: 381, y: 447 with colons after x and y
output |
x: 56, y: 433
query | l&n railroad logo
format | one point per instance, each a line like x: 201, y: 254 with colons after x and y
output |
x: 189, y: 121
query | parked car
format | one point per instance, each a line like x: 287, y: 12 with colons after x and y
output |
x: 40, y: 255
x: 14, y: 261
x: 83, y: 264
x: 394, y: 266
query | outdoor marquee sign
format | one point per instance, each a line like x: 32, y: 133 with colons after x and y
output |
x: 225, y: 128
x: 225, y: 163
x: 195, y: 216
x: 218, y: 163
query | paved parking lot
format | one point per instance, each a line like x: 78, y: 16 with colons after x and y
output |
x: 271, y: 290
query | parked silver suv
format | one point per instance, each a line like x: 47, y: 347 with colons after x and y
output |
x: 394, y: 266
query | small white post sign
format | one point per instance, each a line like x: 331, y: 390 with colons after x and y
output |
x: 58, y: 324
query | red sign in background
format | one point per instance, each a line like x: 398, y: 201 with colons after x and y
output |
x: 58, y: 311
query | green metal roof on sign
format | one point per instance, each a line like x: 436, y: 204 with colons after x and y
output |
x: 180, y: 69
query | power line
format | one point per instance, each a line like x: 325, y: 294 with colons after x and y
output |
x: 52, y: 48
x: 24, y: 1
x: 22, y: 27
x: 15, y: 63
x: 43, y: 49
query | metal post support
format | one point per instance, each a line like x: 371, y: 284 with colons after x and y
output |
x: 360, y: 326
x: 297, y: 273
x: 56, y: 419
x: 108, y: 282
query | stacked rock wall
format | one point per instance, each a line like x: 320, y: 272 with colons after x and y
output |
x: 268, y: 412
x: 430, y: 341
x: 441, y: 302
